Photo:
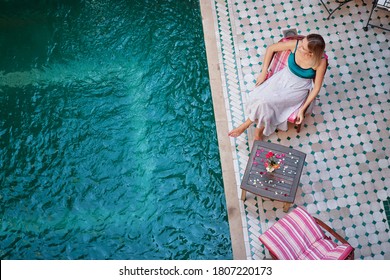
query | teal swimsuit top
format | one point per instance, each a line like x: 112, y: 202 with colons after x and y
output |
x: 308, y: 73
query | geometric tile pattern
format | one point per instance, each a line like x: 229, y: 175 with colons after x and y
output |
x: 346, y: 177
x: 229, y: 67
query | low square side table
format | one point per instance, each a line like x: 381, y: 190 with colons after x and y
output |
x: 282, y: 183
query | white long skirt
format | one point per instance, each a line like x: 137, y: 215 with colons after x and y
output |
x: 271, y: 103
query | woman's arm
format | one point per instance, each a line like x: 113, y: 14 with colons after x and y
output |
x: 281, y: 46
x: 318, y: 80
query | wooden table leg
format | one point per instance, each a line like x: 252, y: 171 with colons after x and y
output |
x: 243, y: 194
x: 286, y: 206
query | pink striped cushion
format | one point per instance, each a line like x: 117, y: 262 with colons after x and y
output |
x: 279, y: 61
x: 298, y: 237
x: 341, y: 252
x: 318, y: 250
x: 291, y: 236
x: 325, y: 249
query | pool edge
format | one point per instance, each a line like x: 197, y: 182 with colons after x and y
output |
x: 228, y: 173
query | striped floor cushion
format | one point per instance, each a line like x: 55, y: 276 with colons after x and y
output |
x: 298, y: 237
x: 325, y: 249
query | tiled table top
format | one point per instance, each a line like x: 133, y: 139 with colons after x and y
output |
x: 280, y: 184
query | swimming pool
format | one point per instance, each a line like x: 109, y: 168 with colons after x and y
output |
x: 108, y: 144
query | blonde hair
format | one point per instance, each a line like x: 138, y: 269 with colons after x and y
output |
x: 316, y: 45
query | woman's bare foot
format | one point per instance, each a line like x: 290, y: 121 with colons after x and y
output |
x: 259, y: 133
x: 236, y: 132
x: 239, y: 130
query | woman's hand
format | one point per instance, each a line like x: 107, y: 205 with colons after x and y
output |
x: 261, y: 78
x: 300, y: 116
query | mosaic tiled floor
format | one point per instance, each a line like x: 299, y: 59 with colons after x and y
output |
x: 346, y: 179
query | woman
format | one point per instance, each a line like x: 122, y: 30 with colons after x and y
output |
x: 275, y: 99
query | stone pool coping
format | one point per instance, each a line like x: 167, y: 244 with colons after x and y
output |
x: 221, y: 119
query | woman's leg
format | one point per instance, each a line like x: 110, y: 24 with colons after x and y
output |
x: 259, y: 133
x: 239, y: 130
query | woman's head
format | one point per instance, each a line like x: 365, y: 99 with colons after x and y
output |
x: 313, y: 45
x: 316, y: 45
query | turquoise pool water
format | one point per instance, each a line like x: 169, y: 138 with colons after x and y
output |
x: 108, y: 144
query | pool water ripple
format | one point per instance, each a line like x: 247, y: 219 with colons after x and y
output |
x: 108, y: 144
